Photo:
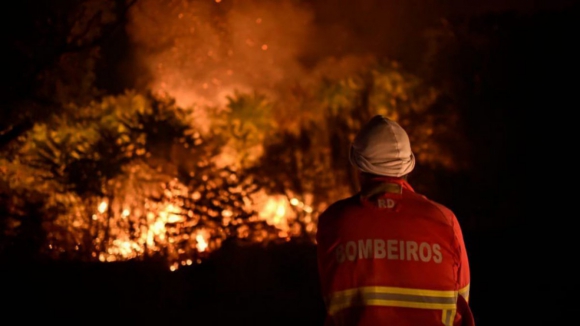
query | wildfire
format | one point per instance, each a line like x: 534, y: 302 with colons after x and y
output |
x: 166, y: 226
x: 204, y: 59
x: 254, y: 47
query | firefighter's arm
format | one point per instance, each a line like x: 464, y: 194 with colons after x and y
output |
x: 321, y: 251
x: 464, y: 276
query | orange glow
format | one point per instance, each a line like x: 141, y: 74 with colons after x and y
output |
x: 273, y: 210
x: 201, y: 53
x: 102, y: 207
x: 165, y: 220
x: 201, y: 242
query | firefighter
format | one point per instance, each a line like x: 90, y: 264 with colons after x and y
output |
x: 389, y: 255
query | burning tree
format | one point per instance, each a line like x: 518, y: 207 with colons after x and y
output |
x: 132, y: 176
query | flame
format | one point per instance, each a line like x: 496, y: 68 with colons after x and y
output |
x: 273, y: 210
x: 276, y: 210
x: 201, y: 242
x: 138, y: 227
x: 102, y: 207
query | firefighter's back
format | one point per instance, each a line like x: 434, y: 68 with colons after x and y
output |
x: 389, y: 256
x: 391, y: 259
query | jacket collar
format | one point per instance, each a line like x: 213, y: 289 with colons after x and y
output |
x: 380, y: 186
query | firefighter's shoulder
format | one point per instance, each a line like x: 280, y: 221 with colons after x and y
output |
x: 337, y: 208
x: 433, y: 210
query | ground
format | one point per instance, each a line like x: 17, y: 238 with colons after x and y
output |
x: 255, y: 285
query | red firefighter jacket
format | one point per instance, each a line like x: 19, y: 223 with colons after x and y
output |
x: 390, y: 256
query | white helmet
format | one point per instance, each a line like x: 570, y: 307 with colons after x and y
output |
x: 382, y: 147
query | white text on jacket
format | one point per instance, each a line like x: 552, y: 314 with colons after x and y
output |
x: 388, y: 249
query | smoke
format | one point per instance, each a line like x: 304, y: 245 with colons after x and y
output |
x: 201, y: 51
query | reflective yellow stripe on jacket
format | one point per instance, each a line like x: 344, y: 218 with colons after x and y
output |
x: 398, y: 297
x: 464, y: 292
